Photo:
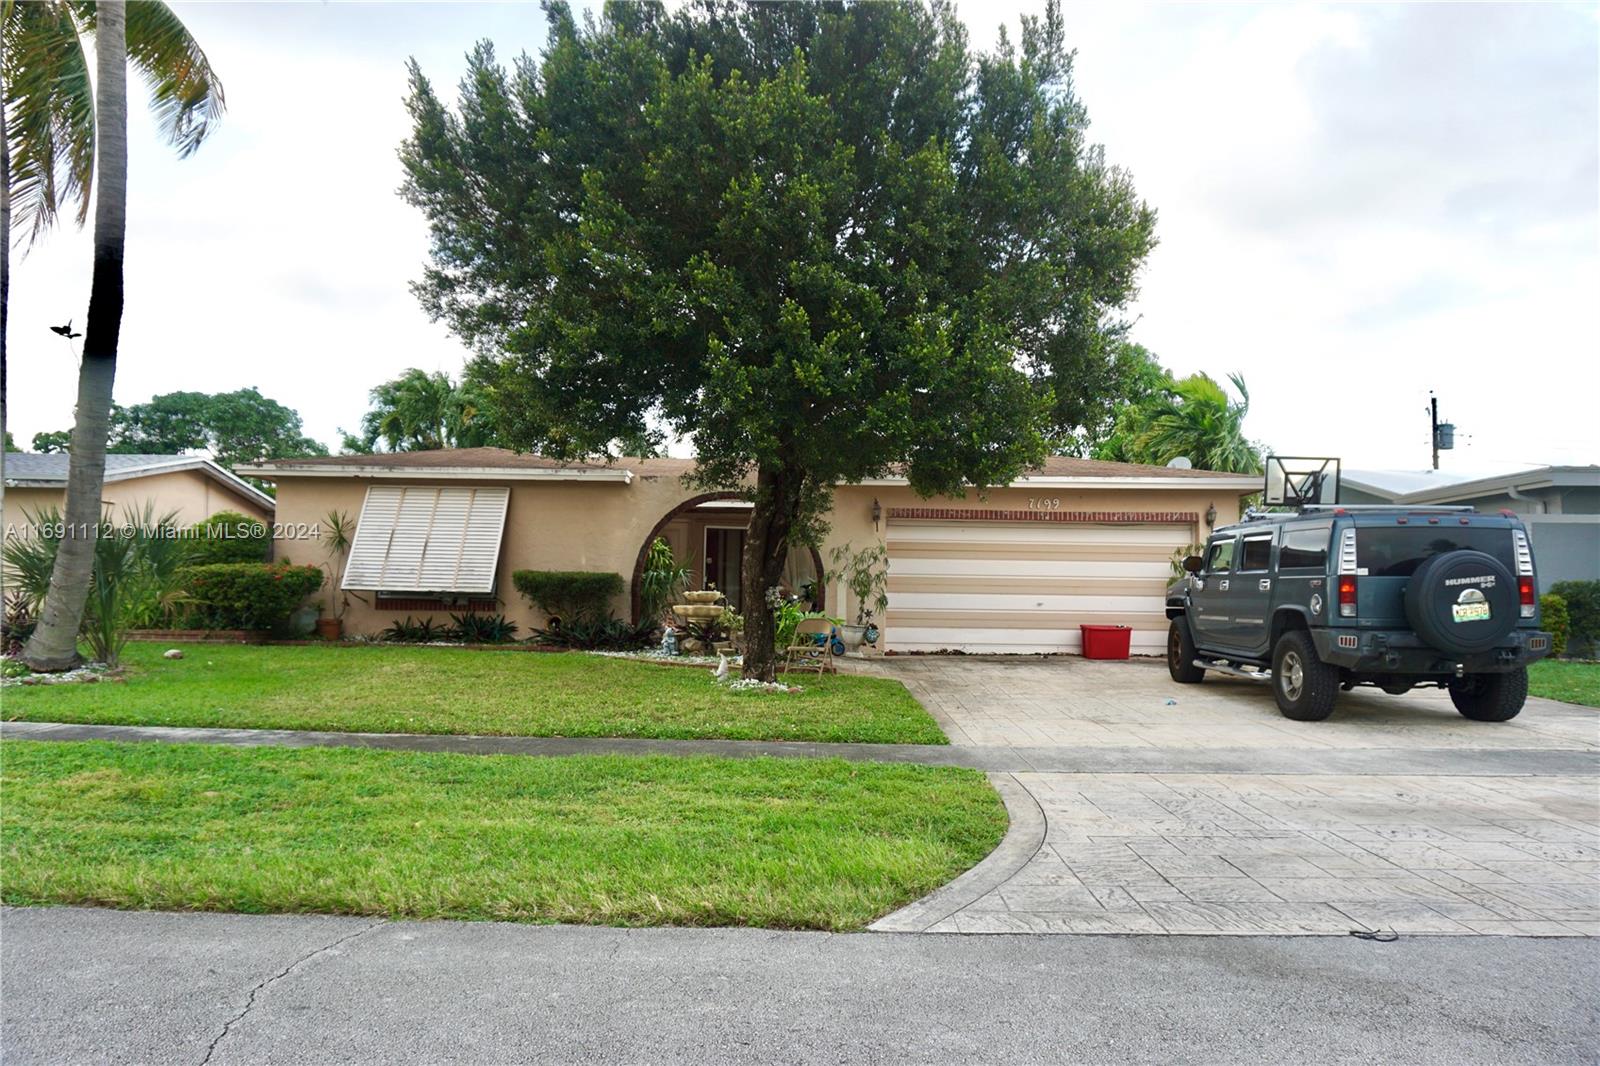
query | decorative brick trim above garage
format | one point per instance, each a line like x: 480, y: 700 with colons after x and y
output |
x: 980, y: 514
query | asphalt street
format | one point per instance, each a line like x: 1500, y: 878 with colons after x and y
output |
x: 85, y: 986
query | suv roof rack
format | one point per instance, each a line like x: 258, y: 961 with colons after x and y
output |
x: 1255, y: 514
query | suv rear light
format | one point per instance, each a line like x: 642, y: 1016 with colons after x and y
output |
x: 1529, y: 602
x: 1347, y: 595
x: 1347, y: 573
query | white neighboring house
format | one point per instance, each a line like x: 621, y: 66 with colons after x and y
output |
x: 1560, y: 505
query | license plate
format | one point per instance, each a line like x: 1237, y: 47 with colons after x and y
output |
x: 1470, y: 612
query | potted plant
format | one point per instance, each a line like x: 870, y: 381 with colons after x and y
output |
x: 866, y: 574
x: 339, y: 532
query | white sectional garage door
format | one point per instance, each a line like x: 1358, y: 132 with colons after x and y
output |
x: 1026, y: 586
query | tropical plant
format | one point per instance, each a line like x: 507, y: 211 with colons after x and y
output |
x: 866, y: 574
x: 1198, y: 420
x: 418, y: 411
x: 721, y: 219
x: 339, y: 532
x: 16, y: 621
x: 661, y: 580
x: 482, y: 628
x: 62, y: 135
x: 410, y: 631
x: 136, y: 578
x: 600, y: 634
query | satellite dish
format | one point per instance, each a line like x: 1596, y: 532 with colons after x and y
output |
x: 1180, y: 463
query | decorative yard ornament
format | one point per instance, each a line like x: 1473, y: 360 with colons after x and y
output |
x: 669, y: 641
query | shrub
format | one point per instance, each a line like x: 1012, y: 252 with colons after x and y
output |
x: 16, y: 622
x: 1553, y: 615
x: 227, y: 537
x: 570, y: 595
x: 1583, y: 611
x: 482, y: 629
x: 246, y: 595
x: 661, y: 579
x: 410, y: 631
x: 605, y: 634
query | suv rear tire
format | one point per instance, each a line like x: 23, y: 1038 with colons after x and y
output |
x: 1490, y: 697
x: 1181, y: 653
x: 1304, y: 686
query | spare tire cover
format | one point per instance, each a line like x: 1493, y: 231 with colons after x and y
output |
x: 1462, y: 602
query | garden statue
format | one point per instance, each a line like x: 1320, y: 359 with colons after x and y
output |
x: 669, y: 641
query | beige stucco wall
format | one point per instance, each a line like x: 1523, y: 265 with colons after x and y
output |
x: 190, y: 493
x: 603, y: 525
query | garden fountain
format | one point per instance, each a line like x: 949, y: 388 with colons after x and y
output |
x: 701, y: 610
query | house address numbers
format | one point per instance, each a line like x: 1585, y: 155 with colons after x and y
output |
x: 1044, y: 503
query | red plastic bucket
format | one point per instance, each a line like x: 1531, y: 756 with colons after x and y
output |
x: 1105, y: 642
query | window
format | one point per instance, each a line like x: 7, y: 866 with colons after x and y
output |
x: 427, y: 538
x: 1304, y: 549
x: 1257, y: 553
x: 724, y: 554
x: 1220, y: 559
x: 1397, y: 551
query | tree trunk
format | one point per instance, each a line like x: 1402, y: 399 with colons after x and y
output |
x: 5, y: 263
x: 54, y: 645
x: 779, y: 492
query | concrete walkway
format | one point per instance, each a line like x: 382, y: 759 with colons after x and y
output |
x: 108, y: 986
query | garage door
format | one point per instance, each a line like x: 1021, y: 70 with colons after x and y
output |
x: 1026, y: 586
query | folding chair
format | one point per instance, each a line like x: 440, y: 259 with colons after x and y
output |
x: 812, y: 646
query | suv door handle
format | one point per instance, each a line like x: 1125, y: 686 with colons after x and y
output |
x: 1222, y: 585
x: 1264, y: 584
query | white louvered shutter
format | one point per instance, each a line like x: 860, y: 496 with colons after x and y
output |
x: 414, y: 538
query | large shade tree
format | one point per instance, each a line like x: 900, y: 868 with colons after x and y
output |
x: 824, y: 241
x: 62, y: 136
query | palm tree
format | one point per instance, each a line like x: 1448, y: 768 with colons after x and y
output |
x: 47, y: 111
x: 418, y: 411
x: 62, y: 136
x: 1200, y: 421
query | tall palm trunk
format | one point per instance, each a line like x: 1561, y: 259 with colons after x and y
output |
x: 5, y: 264
x: 54, y: 645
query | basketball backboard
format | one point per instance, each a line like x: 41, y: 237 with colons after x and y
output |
x: 1293, y: 480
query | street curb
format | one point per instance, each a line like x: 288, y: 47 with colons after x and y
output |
x: 1023, y: 839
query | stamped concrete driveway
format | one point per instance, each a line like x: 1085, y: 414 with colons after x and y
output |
x: 1199, y: 809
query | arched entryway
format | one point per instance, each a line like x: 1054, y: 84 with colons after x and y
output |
x: 707, y: 533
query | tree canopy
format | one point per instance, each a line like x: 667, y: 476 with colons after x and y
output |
x: 1194, y: 418
x: 236, y: 427
x: 824, y: 241
x: 418, y: 411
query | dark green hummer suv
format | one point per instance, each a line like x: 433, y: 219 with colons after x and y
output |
x: 1329, y: 597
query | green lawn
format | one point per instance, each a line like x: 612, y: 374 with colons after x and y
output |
x: 1567, y: 681
x: 453, y: 690
x: 790, y: 843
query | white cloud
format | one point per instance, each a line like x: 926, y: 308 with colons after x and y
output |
x: 1357, y: 204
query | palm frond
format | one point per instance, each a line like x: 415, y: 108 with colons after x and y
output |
x: 185, y: 93
x: 49, y: 104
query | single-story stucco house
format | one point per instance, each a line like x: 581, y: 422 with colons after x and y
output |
x: 192, y: 486
x: 1560, y: 505
x: 1012, y: 569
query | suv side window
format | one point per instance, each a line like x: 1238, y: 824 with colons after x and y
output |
x: 1257, y: 554
x: 1219, y: 560
x: 1304, y: 549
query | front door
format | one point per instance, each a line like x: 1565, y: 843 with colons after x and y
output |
x: 724, y: 554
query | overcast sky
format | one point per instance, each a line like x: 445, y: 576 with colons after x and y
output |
x: 1357, y: 204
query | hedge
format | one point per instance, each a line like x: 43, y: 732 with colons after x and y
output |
x: 246, y: 595
x: 570, y: 595
x: 226, y: 537
x: 1556, y: 621
x: 1583, y: 613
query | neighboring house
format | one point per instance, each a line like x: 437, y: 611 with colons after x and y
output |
x: 1560, y: 505
x: 193, y: 486
x: 1013, y: 569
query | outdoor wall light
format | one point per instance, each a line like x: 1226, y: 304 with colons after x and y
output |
x: 877, y: 513
x: 1211, y: 517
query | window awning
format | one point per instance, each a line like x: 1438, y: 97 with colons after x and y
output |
x: 427, y: 538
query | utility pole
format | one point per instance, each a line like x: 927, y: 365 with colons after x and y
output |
x: 1433, y: 427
